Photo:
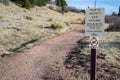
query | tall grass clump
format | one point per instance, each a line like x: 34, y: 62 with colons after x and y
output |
x: 29, y: 18
x: 50, y: 19
x: 56, y: 26
x: 1, y: 17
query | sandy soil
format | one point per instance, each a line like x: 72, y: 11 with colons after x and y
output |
x: 32, y: 65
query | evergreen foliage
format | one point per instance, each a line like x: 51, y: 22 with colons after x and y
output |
x: 33, y: 2
x: 41, y: 3
x: 62, y: 4
x: 119, y: 11
x: 113, y: 13
x: 27, y: 4
x: 30, y: 3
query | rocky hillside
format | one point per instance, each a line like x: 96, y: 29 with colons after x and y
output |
x: 21, y: 28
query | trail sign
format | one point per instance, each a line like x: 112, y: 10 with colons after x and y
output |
x: 94, y: 42
x: 94, y: 22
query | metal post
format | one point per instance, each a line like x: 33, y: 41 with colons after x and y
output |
x: 93, y: 64
x: 93, y: 60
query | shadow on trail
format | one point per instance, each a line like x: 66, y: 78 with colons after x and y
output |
x: 76, y: 65
x: 78, y: 61
x: 76, y: 57
x: 80, y: 31
x: 23, y: 45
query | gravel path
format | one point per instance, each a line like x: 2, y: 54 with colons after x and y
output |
x: 32, y: 65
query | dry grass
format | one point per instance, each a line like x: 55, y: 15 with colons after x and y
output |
x: 50, y: 19
x: 29, y: 18
x: 76, y: 66
x: 114, y: 22
x: 21, y: 26
x: 108, y: 67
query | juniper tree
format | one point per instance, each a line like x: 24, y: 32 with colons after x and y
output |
x: 62, y: 4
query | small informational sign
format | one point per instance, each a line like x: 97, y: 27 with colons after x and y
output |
x: 94, y: 42
x: 94, y: 22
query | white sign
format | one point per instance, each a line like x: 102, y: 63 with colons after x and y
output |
x: 94, y: 42
x: 94, y: 21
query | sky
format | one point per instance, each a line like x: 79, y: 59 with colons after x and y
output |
x: 109, y: 5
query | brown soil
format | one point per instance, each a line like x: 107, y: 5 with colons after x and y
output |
x: 32, y: 65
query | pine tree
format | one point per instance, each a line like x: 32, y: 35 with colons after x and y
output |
x: 41, y: 3
x: 30, y: 3
x: 119, y: 11
x: 113, y: 13
x: 47, y: 1
x: 33, y: 2
x: 27, y: 4
x: 62, y: 4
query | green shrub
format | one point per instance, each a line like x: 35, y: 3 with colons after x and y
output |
x: 79, y: 19
x: 24, y: 11
x: 41, y: 3
x: 29, y: 18
x: 62, y: 4
x: 1, y: 17
x: 83, y: 11
x: 30, y: 3
x: 27, y: 4
x: 50, y: 19
x: 56, y: 26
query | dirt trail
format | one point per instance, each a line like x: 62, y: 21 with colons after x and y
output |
x: 31, y: 65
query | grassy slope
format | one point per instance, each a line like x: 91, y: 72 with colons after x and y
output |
x: 20, y: 28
